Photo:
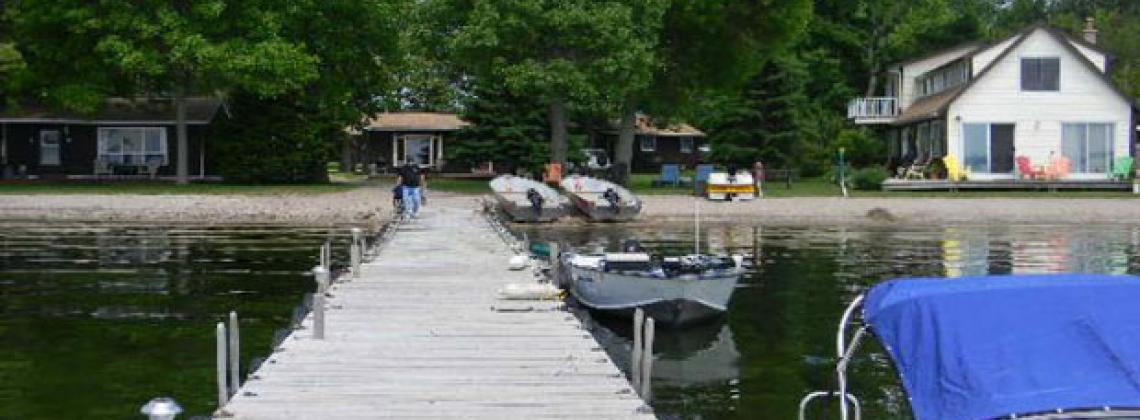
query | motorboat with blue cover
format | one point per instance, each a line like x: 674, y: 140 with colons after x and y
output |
x: 673, y: 290
x: 601, y: 200
x: 527, y: 200
x: 988, y: 347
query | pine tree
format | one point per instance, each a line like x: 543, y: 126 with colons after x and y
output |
x: 506, y: 129
x: 764, y: 122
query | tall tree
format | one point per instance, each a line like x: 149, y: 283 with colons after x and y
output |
x: 506, y: 129
x: 580, y: 53
x: 176, y: 49
x: 764, y: 124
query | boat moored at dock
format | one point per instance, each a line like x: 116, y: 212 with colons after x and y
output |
x: 601, y: 200
x: 526, y: 200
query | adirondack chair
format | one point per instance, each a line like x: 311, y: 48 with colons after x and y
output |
x: 671, y: 175
x: 1025, y: 167
x: 702, y: 178
x: 1059, y: 168
x: 553, y: 174
x: 102, y: 167
x: 1122, y: 168
x: 954, y: 171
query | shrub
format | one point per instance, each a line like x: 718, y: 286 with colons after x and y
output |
x: 869, y: 178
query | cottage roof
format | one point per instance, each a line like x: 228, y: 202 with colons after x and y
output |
x: 414, y: 121
x: 929, y: 107
x: 145, y: 111
x: 644, y: 126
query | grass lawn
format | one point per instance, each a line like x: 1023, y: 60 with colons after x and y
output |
x: 168, y: 188
x: 458, y: 185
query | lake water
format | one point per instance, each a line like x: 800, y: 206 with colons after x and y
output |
x: 97, y: 319
x: 778, y: 340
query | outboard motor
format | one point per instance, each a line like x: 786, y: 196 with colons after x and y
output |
x: 613, y: 198
x: 631, y: 245
x: 535, y: 199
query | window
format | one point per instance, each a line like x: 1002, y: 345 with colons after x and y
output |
x: 1040, y: 74
x: 937, y: 139
x: 132, y: 145
x: 648, y: 143
x: 1088, y: 147
x: 976, y: 144
x: 686, y: 145
x: 988, y: 148
x: 49, y: 147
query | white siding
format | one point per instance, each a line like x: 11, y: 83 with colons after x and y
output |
x: 918, y: 68
x: 985, y: 57
x: 997, y: 98
x: 1096, y: 58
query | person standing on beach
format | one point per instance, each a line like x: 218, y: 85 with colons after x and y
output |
x: 411, y: 179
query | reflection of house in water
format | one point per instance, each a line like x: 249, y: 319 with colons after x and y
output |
x: 133, y: 246
x: 1034, y: 249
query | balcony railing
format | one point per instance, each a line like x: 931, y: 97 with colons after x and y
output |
x: 882, y: 108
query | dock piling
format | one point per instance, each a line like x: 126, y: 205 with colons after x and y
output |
x: 635, y: 358
x: 234, y: 353
x: 354, y: 252
x: 647, y: 361
x: 326, y: 255
x: 223, y: 394
x: 319, y: 316
x: 321, y: 276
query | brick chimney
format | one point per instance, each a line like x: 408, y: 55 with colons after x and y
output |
x: 1090, y: 30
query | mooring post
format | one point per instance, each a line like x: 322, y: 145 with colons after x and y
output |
x: 319, y: 316
x: 354, y: 252
x: 326, y: 255
x: 223, y: 394
x: 756, y: 246
x: 321, y: 276
x: 235, y: 353
x: 647, y: 362
x: 635, y: 358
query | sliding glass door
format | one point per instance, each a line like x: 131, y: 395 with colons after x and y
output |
x: 988, y: 148
x: 1088, y: 147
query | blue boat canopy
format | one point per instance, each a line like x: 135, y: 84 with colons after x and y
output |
x: 991, y: 346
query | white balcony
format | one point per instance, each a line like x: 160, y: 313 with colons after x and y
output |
x: 879, y: 110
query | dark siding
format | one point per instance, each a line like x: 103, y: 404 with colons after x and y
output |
x: 668, y: 150
x: 79, y: 148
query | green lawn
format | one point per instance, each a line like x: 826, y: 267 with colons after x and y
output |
x: 458, y: 185
x: 168, y: 188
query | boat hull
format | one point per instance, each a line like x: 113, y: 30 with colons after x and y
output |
x: 605, y: 213
x: 671, y: 301
x: 588, y: 196
x: 524, y: 212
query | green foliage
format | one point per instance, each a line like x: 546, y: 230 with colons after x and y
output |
x: 506, y: 129
x: 861, y: 147
x: 869, y: 178
x: 271, y: 142
x: 764, y: 124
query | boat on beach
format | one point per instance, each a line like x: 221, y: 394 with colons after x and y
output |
x: 601, y: 200
x: 675, y: 291
x: 526, y: 200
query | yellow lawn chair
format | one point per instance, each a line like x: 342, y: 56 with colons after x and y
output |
x: 954, y: 170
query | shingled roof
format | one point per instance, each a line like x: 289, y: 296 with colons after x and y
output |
x: 414, y: 121
x: 199, y: 111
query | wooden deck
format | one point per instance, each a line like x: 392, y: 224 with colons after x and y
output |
x: 1012, y: 184
x: 422, y: 334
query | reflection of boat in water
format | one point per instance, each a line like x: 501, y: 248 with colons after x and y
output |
x: 703, y: 355
x: 601, y: 200
x: 526, y: 200
x: 673, y: 290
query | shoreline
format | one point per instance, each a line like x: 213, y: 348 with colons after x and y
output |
x: 372, y: 207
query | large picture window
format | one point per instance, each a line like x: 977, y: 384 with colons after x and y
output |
x: 1088, y: 147
x: 648, y: 143
x: 132, y: 145
x: 1041, y: 74
x: 988, y: 148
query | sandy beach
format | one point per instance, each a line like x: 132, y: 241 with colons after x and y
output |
x: 372, y: 206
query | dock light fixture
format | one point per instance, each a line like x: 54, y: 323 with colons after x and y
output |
x: 161, y: 408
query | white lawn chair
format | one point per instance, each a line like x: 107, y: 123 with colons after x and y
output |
x: 102, y: 167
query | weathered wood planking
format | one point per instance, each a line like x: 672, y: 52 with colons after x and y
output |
x: 422, y: 334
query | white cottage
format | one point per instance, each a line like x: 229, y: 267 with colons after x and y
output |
x: 1038, y: 94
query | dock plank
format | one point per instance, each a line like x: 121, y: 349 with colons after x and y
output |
x: 422, y: 334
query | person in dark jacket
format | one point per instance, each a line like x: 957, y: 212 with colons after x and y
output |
x: 412, y: 179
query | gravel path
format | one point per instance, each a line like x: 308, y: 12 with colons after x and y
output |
x: 372, y: 206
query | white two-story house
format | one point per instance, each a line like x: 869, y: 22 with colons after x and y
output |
x: 1038, y: 94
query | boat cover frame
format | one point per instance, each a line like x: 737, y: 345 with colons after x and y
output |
x: 1016, y: 346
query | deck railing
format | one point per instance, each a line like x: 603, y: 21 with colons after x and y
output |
x: 873, y: 108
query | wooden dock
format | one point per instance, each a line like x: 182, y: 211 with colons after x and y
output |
x: 422, y: 333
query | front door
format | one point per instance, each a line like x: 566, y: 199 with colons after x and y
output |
x: 1001, y: 148
x: 49, y: 147
x: 418, y: 150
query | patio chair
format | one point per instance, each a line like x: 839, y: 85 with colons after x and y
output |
x: 553, y: 174
x: 152, y: 166
x: 102, y: 167
x: 1122, y: 168
x: 916, y: 170
x: 1058, y: 168
x: 954, y: 171
x: 671, y: 175
x: 1026, y: 169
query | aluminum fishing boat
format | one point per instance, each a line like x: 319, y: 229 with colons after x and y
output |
x: 526, y: 200
x: 673, y: 290
x: 1062, y: 346
x: 601, y: 200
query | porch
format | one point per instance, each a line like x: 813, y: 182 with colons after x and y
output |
x: 896, y: 184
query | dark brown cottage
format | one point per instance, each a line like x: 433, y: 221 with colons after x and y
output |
x: 654, y: 145
x: 126, y: 139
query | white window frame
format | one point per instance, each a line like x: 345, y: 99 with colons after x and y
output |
x: 686, y: 145
x: 988, y: 148
x: 140, y: 155
x: 1111, y: 147
x: 55, y: 161
x: 1021, y: 68
x: 648, y: 143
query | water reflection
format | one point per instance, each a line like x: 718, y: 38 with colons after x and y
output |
x: 777, y: 341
